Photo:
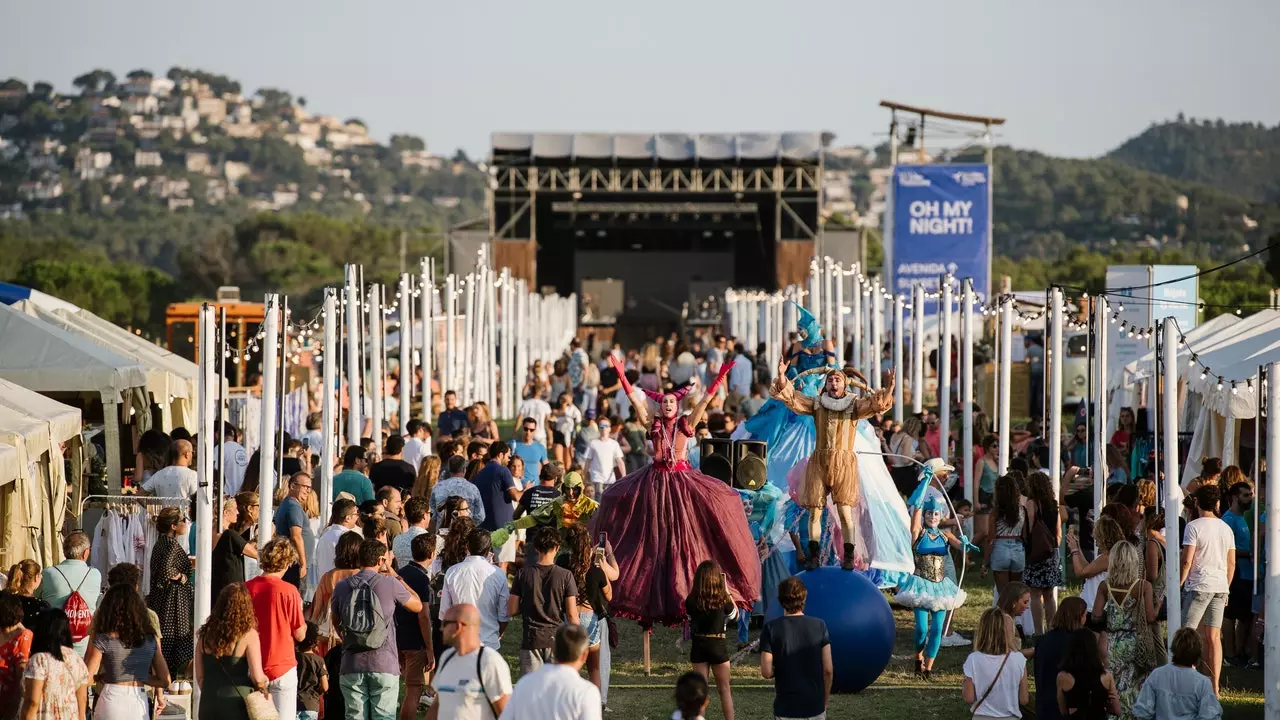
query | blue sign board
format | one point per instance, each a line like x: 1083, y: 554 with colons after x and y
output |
x: 1177, y: 299
x: 941, y: 222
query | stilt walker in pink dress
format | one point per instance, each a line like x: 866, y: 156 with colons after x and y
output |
x: 666, y: 518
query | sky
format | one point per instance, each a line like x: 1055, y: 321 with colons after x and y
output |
x: 1072, y: 79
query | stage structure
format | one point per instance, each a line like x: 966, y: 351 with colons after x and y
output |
x: 650, y: 230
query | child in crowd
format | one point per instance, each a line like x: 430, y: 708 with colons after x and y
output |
x: 711, y: 610
x: 313, y: 677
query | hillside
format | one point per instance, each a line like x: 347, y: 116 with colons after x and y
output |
x: 1046, y: 206
x: 1240, y: 158
x: 128, y: 193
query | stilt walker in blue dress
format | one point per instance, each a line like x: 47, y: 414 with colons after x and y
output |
x: 929, y: 592
x: 765, y: 517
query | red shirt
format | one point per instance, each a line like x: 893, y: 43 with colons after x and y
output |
x: 278, y: 607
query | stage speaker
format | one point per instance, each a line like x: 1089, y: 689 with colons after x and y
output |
x: 750, y: 472
x: 717, y: 459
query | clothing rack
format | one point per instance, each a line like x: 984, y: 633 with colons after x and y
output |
x: 110, y: 500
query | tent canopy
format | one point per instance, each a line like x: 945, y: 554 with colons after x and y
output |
x: 60, y: 422
x: 1141, y: 368
x: 41, y: 357
x: 1238, y: 361
x: 167, y: 374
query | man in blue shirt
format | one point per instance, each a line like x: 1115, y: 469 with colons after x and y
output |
x: 352, y: 479
x: 531, y: 451
x: 1238, y: 616
x: 72, y: 575
x: 498, y: 491
x: 452, y: 418
x: 291, y: 523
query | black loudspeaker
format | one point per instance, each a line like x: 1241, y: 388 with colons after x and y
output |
x: 750, y: 471
x: 717, y: 459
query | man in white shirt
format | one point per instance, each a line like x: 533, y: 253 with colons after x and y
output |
x: 313, y: 439
x: 177, y: 480
x: 342, y: 520
x: 1208, y: 564
x: 237, y: 460
x: 603, y: 459
x: 556, y: 691
x: 477, y: 581
x: 538, y: 410
x: 472, y: 681
x: 417, y: 444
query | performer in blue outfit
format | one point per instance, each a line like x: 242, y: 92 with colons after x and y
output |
x: 791, y: 437
x: 765, y: 517
x: 929, y: 592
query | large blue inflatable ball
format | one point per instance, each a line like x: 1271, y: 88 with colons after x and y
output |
x: 858, y: 620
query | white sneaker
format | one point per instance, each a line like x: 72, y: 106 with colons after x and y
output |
x: 954, y: 640
x: 426, y: 701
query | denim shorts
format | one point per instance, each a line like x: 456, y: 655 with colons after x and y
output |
x: 1008, y: 555
x: 593, y: 624
x: 1208, y: 606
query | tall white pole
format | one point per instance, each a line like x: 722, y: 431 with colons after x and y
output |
x: 899, y: 412
x: 944, y: 369
x: 449, y: 381
x: 267, y: 436
x: 354, y: 365
x: 208, y: 393
x: 1173, y: 490
x: 877, y: 332
x: 1006, y: 367
x: 328, y: 372
x: 521, y: 344
x: 828, y: 295
x: 468, y: 338
x: 1056, y: 359
x: 838, y: 318
x: 1101, y: 338
x: 491, y: 338
x: 1271, y: 591
x: 376, y: 378
x: 917, y: 349
x: 966, y: 389
x: 504, y: 343
x: 406, y: 346
x: 427, y: 288
x: 855, y: 316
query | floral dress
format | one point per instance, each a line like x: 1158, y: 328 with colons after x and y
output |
x: 173, y: 601
x: 13, y: 655
x: 1132, y: 654
x: 62, y: 679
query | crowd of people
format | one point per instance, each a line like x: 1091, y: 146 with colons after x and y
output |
x: 437, y: 538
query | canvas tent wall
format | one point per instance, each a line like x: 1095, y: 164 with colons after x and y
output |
x: 33, y: 506
x: 48, y: 359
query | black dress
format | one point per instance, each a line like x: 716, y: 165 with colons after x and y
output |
x: 226, y: 684
x: 173, y: 602
x: 1087, y: 699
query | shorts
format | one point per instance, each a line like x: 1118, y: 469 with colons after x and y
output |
x: 413, y: 666
x: 558, y: 438
x: 1008, y: 555
x: 531, y: 660
x: 593, y: 624
x: 308, y: 715
x: 820, y: 716
x: 712, y: 651
x: 1240, y: 600
x: 507, y: 551
x: 1208, y: 606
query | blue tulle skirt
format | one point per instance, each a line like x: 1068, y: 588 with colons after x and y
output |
x: 917, y: 592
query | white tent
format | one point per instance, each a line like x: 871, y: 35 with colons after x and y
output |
x: 33, y: 504
x: 10, y: 466
x: 171, y: 379
x: 1141, y: 368
x: 48, y: 359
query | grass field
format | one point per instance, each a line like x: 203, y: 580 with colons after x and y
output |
x: 897, y: 695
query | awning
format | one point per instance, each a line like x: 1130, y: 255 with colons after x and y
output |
x: 62, y: 422
x: 41, y: 357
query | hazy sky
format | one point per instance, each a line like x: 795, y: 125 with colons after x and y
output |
x: 1073, y: 78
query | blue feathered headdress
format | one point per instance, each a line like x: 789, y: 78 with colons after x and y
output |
x: 809, y: 324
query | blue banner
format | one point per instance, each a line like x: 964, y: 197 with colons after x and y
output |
x: 941, y: 223
x: 1177, y: 300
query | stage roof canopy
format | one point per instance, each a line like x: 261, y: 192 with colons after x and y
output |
x: 670, y: 147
